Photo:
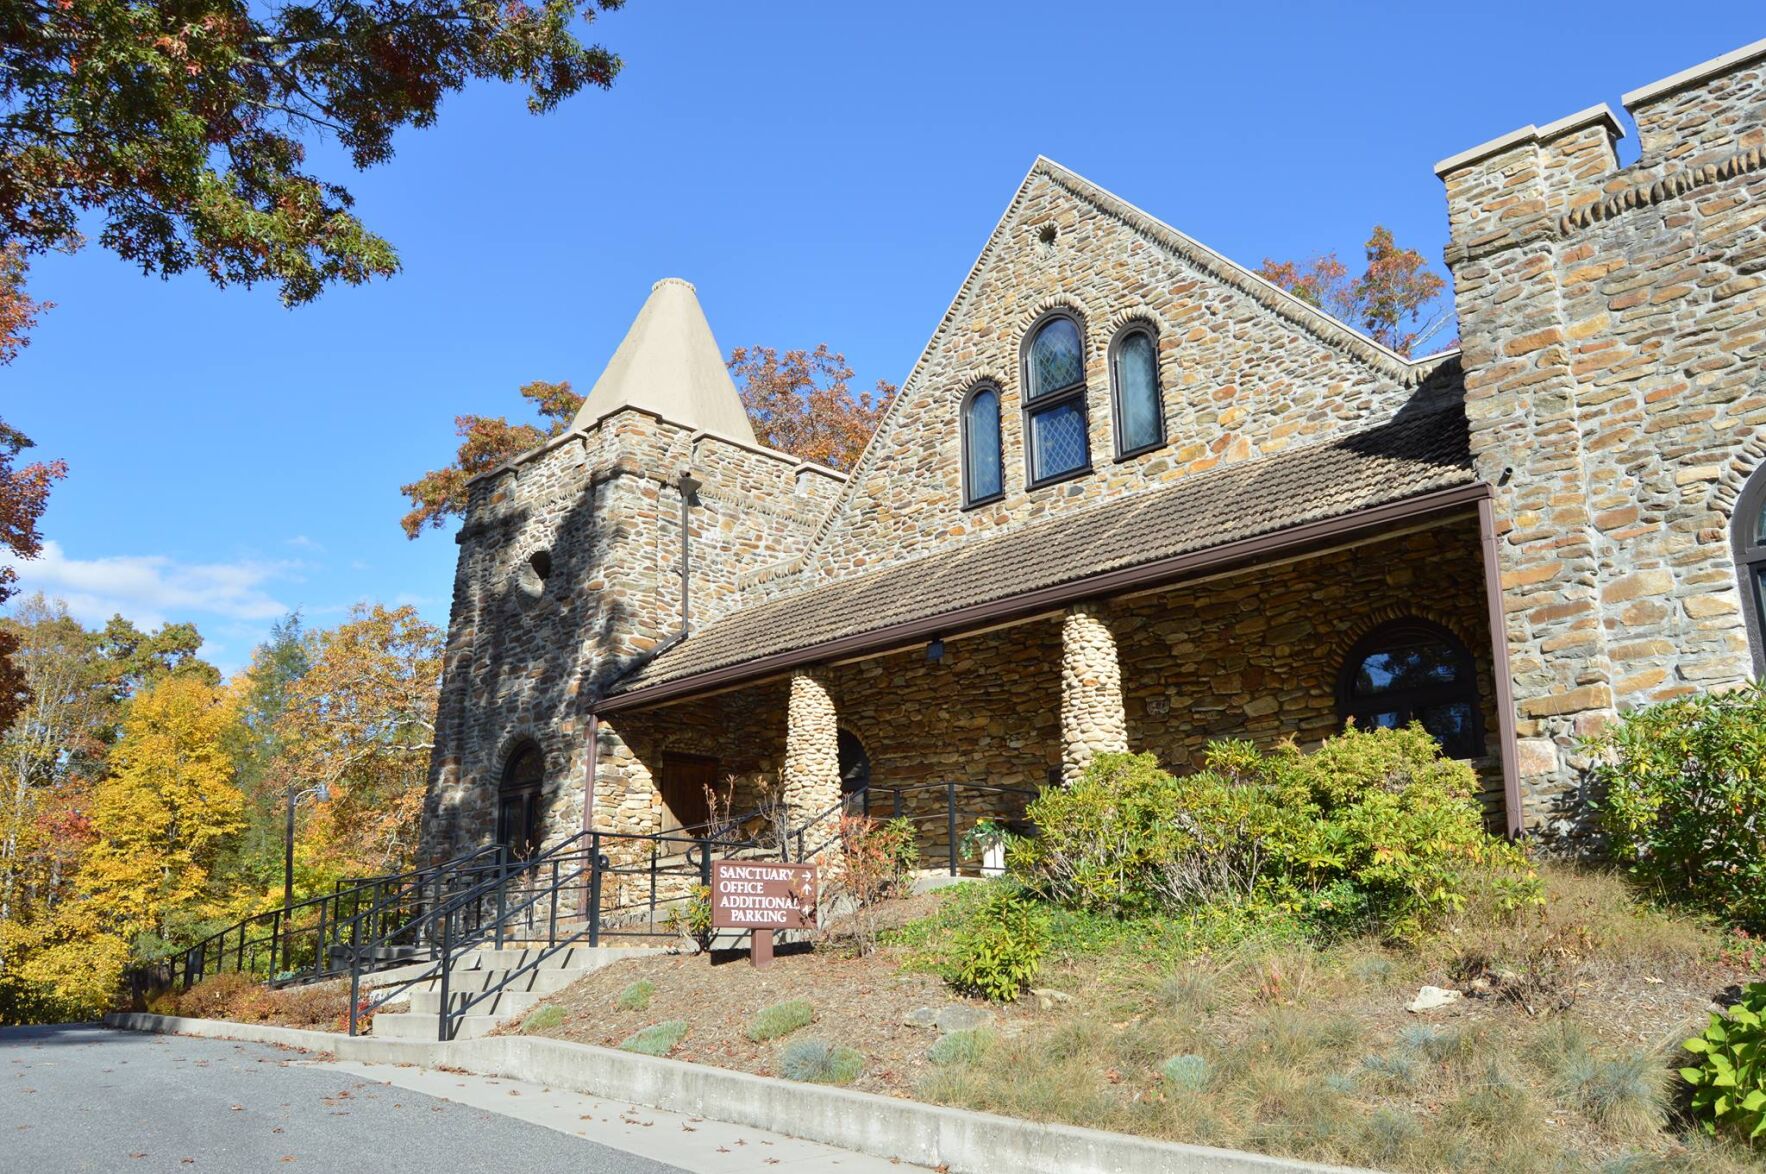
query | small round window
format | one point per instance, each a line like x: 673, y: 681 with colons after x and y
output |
x: 531, y: 576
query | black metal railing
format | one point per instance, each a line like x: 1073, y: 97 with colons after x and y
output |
x: 301, y: 942
x: 946, y: 812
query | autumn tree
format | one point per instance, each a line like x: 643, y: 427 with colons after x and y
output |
x: 1396, y: 299
x: 163, y: 814
x: 361, y: 720
x: 24, y: 494
x: 180, y: 131
x: 485, y: 443
x: 18, y: 311
x: 802, y: 402
x: 263, y: 693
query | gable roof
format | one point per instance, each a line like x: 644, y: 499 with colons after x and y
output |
x: 669, y: 364
x: 1071, y: 556
x: 1300, y: 314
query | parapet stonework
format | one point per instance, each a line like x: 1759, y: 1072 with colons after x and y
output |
x: 1612, y: 325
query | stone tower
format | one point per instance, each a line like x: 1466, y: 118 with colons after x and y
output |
x: 570, y: 571
x: 1613, y: 323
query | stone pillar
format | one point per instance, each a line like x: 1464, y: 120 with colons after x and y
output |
x: 812, y: 749
x: 1092, y: 721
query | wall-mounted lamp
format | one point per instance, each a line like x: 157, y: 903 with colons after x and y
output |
x: 935, y: 652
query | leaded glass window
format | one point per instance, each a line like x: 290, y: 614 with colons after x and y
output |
x: 982, y: 480
x: 1055, y: 425
x: 1140, y: 413
x: 1414, y: 671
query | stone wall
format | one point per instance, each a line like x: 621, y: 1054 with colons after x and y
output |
x: 1245, y: 370
x: 569, y: 572
x: 1259, y: 655
x: 1613, y: 322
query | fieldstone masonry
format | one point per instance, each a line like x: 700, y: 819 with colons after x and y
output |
x: 812, y: 748
x: 1092, y: 720
x: 1613, y: 324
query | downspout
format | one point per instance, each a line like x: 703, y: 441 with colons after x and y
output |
x: 1499, y: 668
x: 688, y: 485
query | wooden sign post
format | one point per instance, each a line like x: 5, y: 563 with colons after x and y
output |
x: 762, y: 896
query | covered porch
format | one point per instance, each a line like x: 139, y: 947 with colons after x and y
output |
x: 964, y: 715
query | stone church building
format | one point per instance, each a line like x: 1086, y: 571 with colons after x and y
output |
x: 1132, y: 496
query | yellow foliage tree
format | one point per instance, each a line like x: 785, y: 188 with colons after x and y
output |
x: 361, y: 720
x: 165, y: 811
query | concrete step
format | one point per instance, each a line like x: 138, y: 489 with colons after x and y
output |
x: 503, y: 1004
x: 543, y: 981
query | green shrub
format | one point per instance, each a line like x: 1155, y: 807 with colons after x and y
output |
x: 693, y: 920
x: 816, y: 1061
x: 1729, y: 1081
x: 659, y: 1039
x: 997, y: 954
x: 636, y: 997
x: 1375, y: 828
x: 1682, y: 799
x: 781, y: 1019
x: 961, y: 1047
x: 542, y: 1019
x: 1188, y: 1072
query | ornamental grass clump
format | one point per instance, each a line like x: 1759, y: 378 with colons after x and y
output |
x: 780, y: 1019
x: 636, y: 997
x: 816, y: 1061
x: 542, y: 1019
x: 961, y: 1047
x: 659, y: 1039
x: 1188, y: 1072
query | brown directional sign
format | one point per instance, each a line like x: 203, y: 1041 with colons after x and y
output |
x: 759, y: 894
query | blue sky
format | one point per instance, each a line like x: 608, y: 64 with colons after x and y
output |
x: 822, y: 172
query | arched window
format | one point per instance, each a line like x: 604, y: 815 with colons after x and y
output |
x: 982, y: 481
x: 519, y: 803
x: 1134, y: 385
x: 1749, y: 531
x: 1410, y: 670
x: 1056, y: 445
x: 855, y: 771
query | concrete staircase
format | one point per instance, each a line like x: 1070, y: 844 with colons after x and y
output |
x: 487, y: 968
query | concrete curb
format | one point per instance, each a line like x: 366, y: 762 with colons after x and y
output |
x: 887, y: 1127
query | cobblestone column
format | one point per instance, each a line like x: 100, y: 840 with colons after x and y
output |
x: 812, y: 750
x: 1092, y: 721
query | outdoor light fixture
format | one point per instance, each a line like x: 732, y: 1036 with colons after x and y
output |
x: 935, y: 652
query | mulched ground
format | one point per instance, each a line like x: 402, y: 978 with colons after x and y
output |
x: 860, y: 1003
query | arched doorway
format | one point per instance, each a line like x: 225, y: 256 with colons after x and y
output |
x: 855, y: 772
x: 519, y: 802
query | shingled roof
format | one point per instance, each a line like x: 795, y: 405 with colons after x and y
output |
x: 1408, y: 457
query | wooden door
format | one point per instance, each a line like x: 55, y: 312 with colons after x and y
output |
x: 686, y: 781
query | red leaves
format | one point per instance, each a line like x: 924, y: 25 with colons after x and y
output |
x: 801, y: 403
x: 1392, y: 300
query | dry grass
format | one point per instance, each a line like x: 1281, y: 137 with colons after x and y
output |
x: 1287, y: 1048
x: 1309, y: 1053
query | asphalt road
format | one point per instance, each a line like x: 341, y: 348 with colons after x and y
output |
x: 86, y: 1098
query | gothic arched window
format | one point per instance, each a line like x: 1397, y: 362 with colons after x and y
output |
x: 1055, y: 428
x: 1749, y: 531
x: 1411, y: 670
x: 1134, y: 388
x: 982, y: 478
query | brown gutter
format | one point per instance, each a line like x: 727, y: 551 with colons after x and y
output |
x: 590, y: 769
x: 1499, y: 668
x: 1150, y: 574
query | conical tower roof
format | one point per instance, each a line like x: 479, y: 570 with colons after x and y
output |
x: 670, y: 364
